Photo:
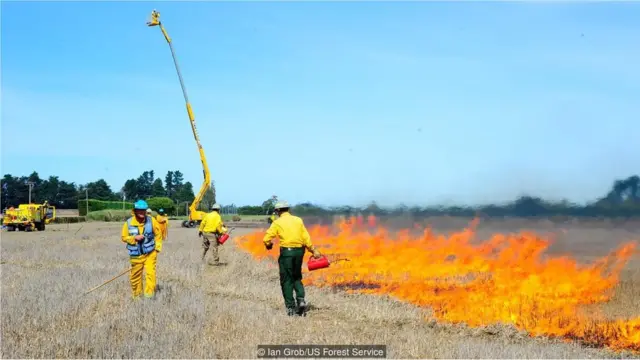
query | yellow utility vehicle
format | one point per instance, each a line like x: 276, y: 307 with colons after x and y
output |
x: 29, y: 217
x: 195, y: 215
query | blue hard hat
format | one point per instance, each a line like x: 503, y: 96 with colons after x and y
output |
x: 140, y: 205
x: 161, y: 211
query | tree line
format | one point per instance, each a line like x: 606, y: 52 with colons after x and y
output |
x: 622, y: 200
x: 65, y: 194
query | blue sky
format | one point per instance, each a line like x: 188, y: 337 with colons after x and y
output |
x: 329, y: 102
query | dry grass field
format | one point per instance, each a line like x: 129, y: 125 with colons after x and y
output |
x: 204, y: 311
x: 66, y: 212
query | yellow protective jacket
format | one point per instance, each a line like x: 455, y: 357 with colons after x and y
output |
x: 163, y: 221
x: 212, y: 223
x: 157, y: 232
x: 291, y: 231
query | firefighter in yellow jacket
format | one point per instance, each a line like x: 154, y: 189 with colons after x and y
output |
x: 143, y: 237
x: 163, y: 221
x: 294, y: 239
x: 272, y: 218
x: 211, y: 228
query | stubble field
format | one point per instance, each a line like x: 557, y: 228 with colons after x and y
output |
x: 204, y: 311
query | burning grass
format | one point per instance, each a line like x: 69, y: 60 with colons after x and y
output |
x: 506, y: 279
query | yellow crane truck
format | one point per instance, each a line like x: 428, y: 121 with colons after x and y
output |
x: 195, y: 216
x: 29, y: 217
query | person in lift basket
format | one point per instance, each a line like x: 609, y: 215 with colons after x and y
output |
x: 143, y: 237
x: 294, y: 239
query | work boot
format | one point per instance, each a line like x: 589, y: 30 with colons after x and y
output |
x: 302, y: 306
x: 291, y: 312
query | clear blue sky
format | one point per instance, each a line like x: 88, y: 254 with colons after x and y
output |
x: 334, y: 103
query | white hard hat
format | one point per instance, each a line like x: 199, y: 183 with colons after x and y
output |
x: 281, y: 205
x: 215, y: 206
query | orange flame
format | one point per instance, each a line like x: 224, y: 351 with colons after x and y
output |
x: 505, y: 279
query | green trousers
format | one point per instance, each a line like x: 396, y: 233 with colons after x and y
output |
x: 290, y: 264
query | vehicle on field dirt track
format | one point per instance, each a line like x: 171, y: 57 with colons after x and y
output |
x: 28, y: 217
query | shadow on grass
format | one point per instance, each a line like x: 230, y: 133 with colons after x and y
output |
x: 355, y: 285
x: 217, y: 264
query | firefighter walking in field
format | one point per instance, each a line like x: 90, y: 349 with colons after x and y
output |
x: 163, y: 221
x: 143, y: 237
x: 272, y: 218
x: 211, y: 228
x: 294, y: 239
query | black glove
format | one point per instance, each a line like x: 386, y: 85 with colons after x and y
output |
x: 199, y: 233
x: 269, y: 247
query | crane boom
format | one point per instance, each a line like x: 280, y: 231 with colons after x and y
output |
x: 195, y: 216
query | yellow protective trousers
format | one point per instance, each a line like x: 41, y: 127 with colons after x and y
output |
x: 148, y: 263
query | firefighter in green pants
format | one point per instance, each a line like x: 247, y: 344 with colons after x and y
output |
x: 294, y: 239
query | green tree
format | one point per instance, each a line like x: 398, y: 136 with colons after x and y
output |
x: 67, y: 196
x: 157, y: 190
x: 208, y: 199
x: 178, y: 179
x: 50, y: 189
x: 169, y: 185
x: 130, y: 189
x: 144, y: 184
x: 185, y: 193
x: 100, y: 190
x: 633, y: 183
x: 250, y: 210
x: 174, y: 184
x: 156, y: 203
x: 37, y: 195
x: 269, y: 205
